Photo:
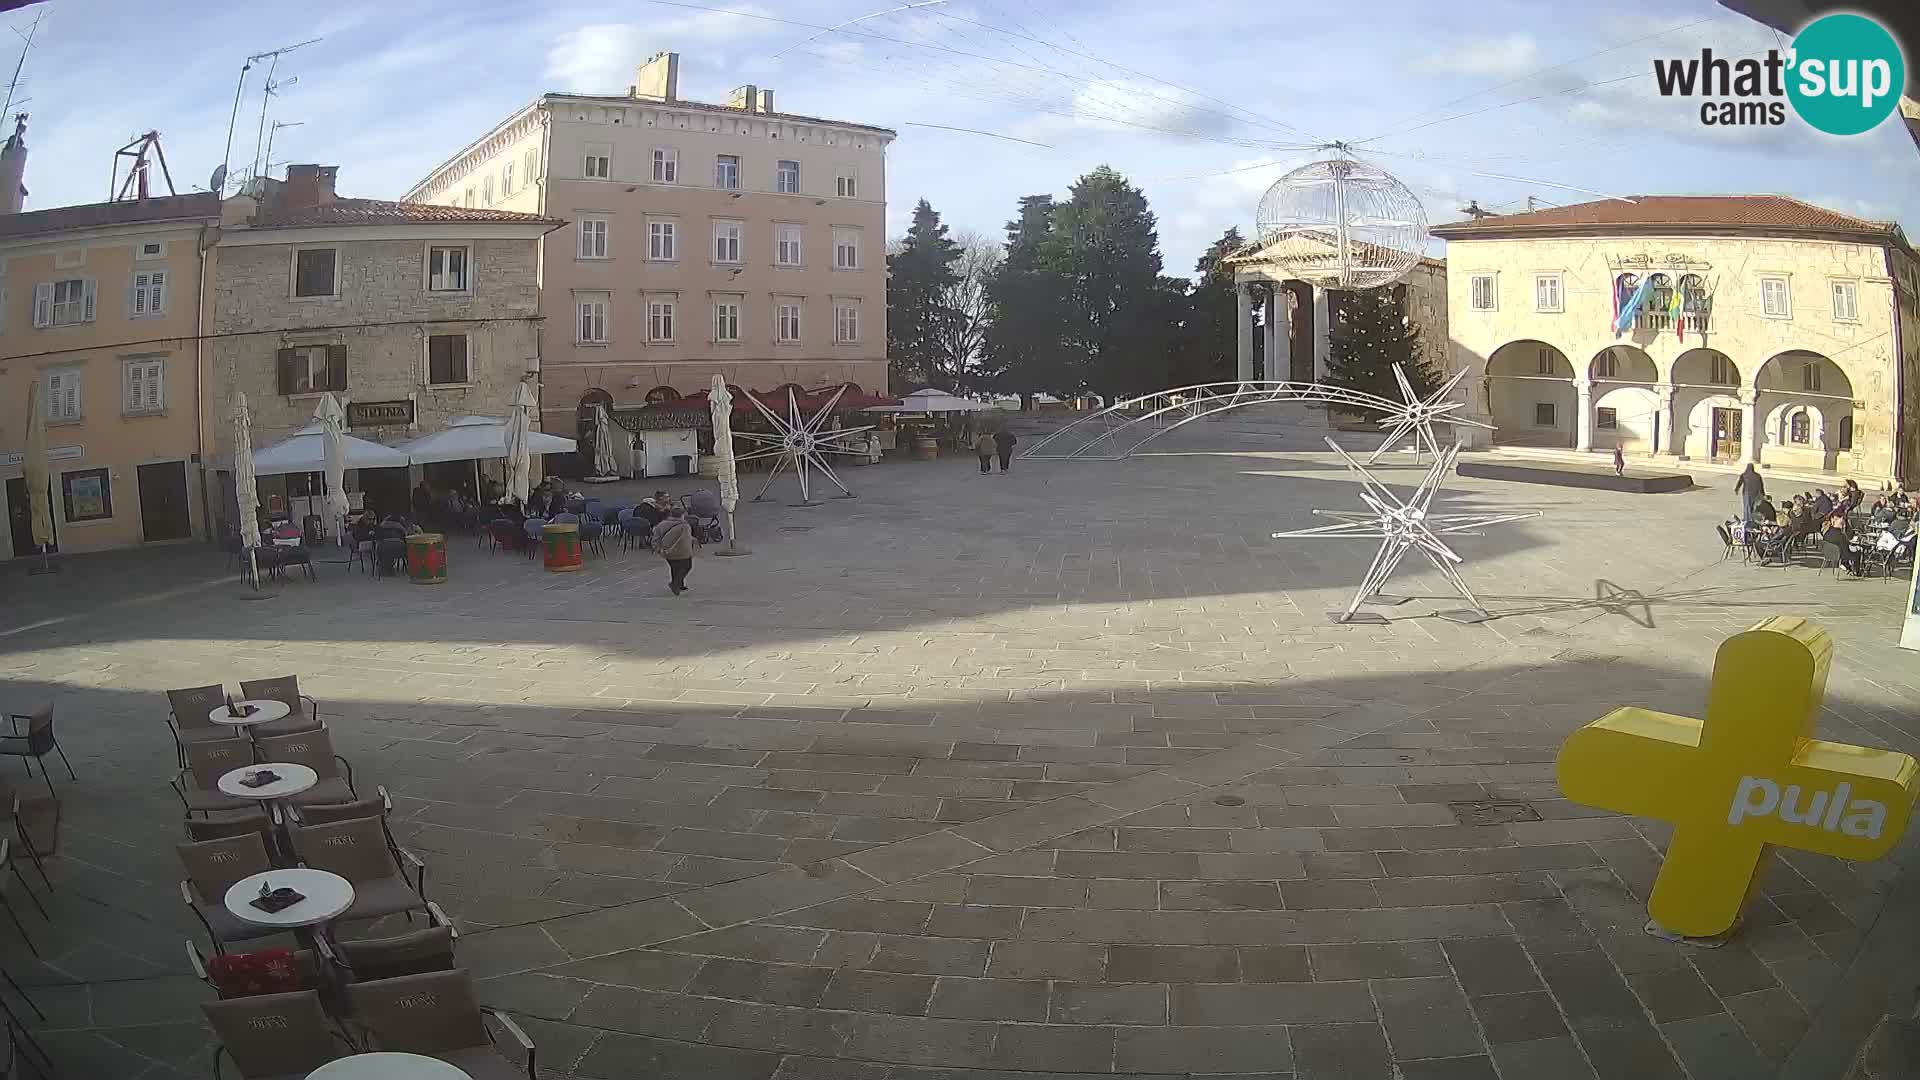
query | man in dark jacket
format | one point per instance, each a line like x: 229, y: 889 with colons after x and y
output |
x: 1003, y: 441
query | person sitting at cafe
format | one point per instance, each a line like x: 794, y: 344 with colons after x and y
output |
x: 1822, y: 504
x: 422, y: 500
x: 1840, y: 534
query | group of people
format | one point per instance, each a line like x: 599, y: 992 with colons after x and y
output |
x: 1773, y: 530
x: 986, y: 444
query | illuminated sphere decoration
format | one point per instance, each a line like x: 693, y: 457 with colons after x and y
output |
x: 1341, y: 224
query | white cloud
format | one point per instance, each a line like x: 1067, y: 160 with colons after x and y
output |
x: 601, y: 58
x: 1123, y: 104
x: 1514, y: 54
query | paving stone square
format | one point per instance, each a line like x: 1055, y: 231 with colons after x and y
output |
x: 1060, y: 772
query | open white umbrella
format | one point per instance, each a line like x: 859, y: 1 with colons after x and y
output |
x: 519, y: 456
x: 333, y: 433
x: 721, y: 402
x: 477, y: 438
x: 35, y: 468
x: 246, y: 495
x: 603, y: 464
x: 305, y: 451
x: 933, y: 401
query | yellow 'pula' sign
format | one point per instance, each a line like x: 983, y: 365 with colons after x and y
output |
x: 1749, y: 776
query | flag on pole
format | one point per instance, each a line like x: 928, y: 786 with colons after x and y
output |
x: 1677, y: 311
x: 1631, y: 309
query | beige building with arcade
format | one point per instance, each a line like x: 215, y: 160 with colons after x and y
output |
x: 1773, y: 331
x: 701, y: 239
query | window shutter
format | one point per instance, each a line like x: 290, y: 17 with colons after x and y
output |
x: 134, y: 394
x: 43, y: 303
x: 156, y: 291
x: 336, y: 367
x: 154, y: 371
x: 283, y: 363
x: 89, y: 290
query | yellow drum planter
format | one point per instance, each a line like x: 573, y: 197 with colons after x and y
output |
x: 427, y: 558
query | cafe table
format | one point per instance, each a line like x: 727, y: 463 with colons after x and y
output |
x: 385, y: 1066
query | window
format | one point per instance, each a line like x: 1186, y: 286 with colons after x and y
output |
x: 1845, y: 441
x: 313, y: 272
x: 1810, y: 377
x: 1543, y: 414
x: 1606, y: 419
x: 598, y: 164
x: 1656, y: 313
x: 447, y: 269
x: 786, y: 245
x: 1846, y: 302
x: 786, y: 177
x: 846, y: 249
x: 63, y: 303
x: 593, y: 319
x: 786, y: 322
x: 593, y: 237
x: 1546, y: 364
x: 312, y: 369
x: 726, y: 172
x: 1775, y: 300
x: 726, y: 320
x: 726, y: 241
x: 660, y: 320
x: 1800, y: 428
x: 660, y: 235
x: 530, y: 164
x: 469, y: 198
x: 63, y: 395
x: 1606, y: 365
x: 506, y: 179
x: 149, y: 293
x: 846, y: 182
x: 152, y: 249
x: 666, y: 165
x: 1484, y: 296
x: 145, y: 381
x: 486, y: 192
x: 1546, y: 293
x: 88, y: 495
x: 1723, y: 374
x: 447, y: 360
x: 846, y: 323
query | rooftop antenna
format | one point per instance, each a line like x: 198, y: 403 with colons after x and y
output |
x: 266, y: 98
x: 275, y: 130
x: 1474, y: 210
x: 226, y: 156
x: 14, y: 84
x: 136, y: 183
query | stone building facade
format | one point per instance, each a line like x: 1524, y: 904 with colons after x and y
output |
x: 703, y: 238
x: 1772, y: 331
x: 411, y: 315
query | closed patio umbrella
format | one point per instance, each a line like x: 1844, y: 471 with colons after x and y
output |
x: 246, y: 495
x: 721, y: 402
x: 35, y: 468
x: 603, y: 463
x: 333, y: 433
x: 519, y: 451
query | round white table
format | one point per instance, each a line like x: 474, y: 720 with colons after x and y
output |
x: 294, y: 779
x: 326, y: 895
x: 387, y: 1067
x: 264, y: 712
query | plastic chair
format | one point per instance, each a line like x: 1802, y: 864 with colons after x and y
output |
x: 590, y: 533
x: 1830, y: 556
x: 532, y: 529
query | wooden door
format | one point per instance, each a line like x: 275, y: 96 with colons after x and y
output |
x: 163, y: 502
x: 1726, y: 434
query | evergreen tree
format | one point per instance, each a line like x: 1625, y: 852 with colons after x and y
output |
x: 1105, y: 242
x: 919, y: 320
x: 1025, y: 347
x: 1210, y: 347
x: 1369, y: 337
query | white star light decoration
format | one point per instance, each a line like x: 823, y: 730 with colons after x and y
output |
x: 800, y: 444
x: 1417, y: 416
x: 1403, y: 526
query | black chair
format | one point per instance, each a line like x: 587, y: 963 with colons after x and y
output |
x: 389, y: 556
x: 1726, y: 541
x: 296, y: 556
x: 1830, y: 556
x: 36, y: 743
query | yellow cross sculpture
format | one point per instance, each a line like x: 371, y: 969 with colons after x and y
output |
x: 1749, y: 776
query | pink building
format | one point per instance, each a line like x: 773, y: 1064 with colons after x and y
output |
x: 701, y: 239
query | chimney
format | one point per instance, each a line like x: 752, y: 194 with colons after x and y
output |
x: 659, y: 77
x: 746, y: 98
x: 308, y: 186
x: 766, y: 101
x: 13, y: 168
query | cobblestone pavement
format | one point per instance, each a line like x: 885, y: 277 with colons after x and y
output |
x: 1057, y: 773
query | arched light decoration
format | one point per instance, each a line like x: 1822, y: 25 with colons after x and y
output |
x: 1341, y: 224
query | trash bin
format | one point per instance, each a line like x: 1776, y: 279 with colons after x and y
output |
x: 683, y: 464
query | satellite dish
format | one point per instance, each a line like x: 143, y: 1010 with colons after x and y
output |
x: 217, y: 183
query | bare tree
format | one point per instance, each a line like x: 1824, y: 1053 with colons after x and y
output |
x: 965, y: 334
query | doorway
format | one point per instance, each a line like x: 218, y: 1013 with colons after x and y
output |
x: 163, y: 502
x: 20, y: 516
x: 1726, y: 434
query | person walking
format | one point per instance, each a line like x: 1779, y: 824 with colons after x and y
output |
x: 983, y: 449
x: 673, y: 539
x: 1750, y: 488
x: 1619, y: 462
x: 1003, y: 441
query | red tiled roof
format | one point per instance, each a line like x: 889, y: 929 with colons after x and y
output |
x: 1774, y: 213
x: 108, y: 214
x: 383, y: 212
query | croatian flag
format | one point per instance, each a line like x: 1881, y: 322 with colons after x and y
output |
x: 1631, y: 309
x: 1677, y: 312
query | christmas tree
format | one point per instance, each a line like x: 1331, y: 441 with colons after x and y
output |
x: 1370, y: 335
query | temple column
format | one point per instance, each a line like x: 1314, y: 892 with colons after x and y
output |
x: 1750, y: 433
x: 1244, y: 309
x: 1322, y: 324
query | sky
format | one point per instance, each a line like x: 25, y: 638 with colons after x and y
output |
x: 1204, y: 104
